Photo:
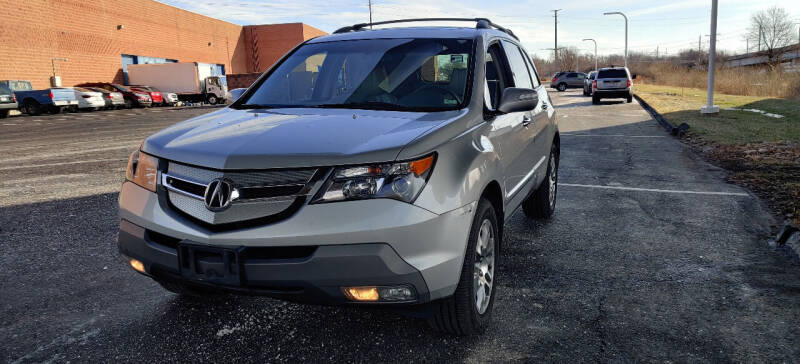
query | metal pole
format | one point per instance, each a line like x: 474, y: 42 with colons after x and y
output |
x: 595, y: 51
x: 710, y: 108
x: 369, y: 3
x: 555, y: 48
x: 626, y: 32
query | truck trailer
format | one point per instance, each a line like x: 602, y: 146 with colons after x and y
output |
x: 191, y: 81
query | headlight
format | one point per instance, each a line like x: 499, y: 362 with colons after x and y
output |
x: 400, y: 181
x: 142, y: 170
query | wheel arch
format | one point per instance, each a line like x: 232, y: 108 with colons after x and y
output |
x: 494, y: 194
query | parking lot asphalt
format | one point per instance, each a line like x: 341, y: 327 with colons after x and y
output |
x: 649, y: 256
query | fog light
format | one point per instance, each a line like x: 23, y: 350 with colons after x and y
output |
x: 137, y: 265
x: 362, y: 293
x: 373, y: 293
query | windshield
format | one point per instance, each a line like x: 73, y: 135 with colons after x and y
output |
x: 385, y: 74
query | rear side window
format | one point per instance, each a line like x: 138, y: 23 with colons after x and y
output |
x: 615, y: 73
x: 572, y: 75
x: 519, y: 68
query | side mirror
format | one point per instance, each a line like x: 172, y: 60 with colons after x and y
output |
x: 516, y: 99
x: 234, y: 94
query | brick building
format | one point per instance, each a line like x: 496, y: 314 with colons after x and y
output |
x: 99, y: 38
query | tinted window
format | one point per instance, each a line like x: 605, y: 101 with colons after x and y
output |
x: 519, y: 68
x: 572, y: 75
x: 4, y: 90
x: 615, y: 73
x: 395, y: 74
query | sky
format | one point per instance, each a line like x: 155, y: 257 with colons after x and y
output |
x: 667, y: 25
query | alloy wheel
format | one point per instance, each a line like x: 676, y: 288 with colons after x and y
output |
x: 483, y: 277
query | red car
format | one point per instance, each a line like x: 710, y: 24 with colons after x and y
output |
x: 158, y: 100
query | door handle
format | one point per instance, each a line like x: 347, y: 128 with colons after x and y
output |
x: 526, y: 120
x: 544, y: 106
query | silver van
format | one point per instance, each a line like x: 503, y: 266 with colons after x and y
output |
x: 367, y: 167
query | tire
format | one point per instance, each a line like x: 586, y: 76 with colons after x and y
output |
x: 3, y: 114
x: 212, y: 99
x: 561, y: 87
x: 463, y: 313
x: 630, y: 99
x: 31, y: 108
x: 128, y: 104
x: 542, y: 202
x: 595, y: 100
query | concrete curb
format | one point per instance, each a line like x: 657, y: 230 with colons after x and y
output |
x: 656, y: 115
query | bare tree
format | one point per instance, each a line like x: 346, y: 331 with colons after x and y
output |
x: 567, y: 58
x: 771, y: 29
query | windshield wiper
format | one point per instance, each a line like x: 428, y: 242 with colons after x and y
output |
x: 369, y: 105
x: 253, y: 106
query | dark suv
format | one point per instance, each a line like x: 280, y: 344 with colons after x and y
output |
x: 564, y: 80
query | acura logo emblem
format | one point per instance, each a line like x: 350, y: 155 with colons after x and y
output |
x: 219, y: 195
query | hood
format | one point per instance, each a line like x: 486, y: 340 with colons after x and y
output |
x: 291, y: 138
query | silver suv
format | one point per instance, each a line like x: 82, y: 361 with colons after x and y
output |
x: 612, y: 82
x: 561, y: 81
x: 367, y: 167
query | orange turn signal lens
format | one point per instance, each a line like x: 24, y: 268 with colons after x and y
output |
x: 362, y: 293
x: 139, y: 266
x: 420, y: 166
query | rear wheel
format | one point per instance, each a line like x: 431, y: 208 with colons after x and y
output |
x: 128, y: 104
x: 542, y: 203
x: 468, y: 310
x: 595, y: 100
x: 3, y: 114
x: 31, y: 107
x: 561, y: 87
x: 630, y: 99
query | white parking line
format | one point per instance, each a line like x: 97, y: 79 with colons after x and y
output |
x: 655, y: 190
x: 615, y: 135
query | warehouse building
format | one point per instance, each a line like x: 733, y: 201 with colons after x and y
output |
x: 94, y: 41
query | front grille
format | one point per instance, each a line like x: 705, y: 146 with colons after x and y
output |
x: 261, y: 193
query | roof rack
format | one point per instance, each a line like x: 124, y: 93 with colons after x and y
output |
x: 482, y: 23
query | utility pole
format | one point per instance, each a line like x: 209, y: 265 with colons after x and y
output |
x: 369, y: 3
x: 710, y: 108
x: 555, y: 24
x: 656, y: 52
x: 626, y: 32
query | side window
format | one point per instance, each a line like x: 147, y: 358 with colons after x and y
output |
x: 519, y: 69
x: 581, y: 76
x: 496, y: 75
x: 531, y: 69
x: 572, y: 75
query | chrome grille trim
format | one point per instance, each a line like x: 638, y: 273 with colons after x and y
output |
x: 169, y: 186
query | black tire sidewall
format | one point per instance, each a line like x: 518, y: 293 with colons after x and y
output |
x: 485, y: 211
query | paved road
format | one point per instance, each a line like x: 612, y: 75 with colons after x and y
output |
x: 650, y: 256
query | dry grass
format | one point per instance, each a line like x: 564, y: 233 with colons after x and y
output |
x: 734, y: 81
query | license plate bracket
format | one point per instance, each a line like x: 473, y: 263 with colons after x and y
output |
x: 210, y: 264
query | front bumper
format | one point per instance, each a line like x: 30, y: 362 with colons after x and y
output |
x: 283, y: 273
x: 371, y: 242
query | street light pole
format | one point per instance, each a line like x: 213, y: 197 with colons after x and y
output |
x: 710, y: 108
x: 595, y: 51
x: 626, y: 32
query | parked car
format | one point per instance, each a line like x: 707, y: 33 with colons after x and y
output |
x: 564, y: 80
x: 155, y: 95
x: 384, y: 185
x: 8, y: 101
x: 131, y: 97
x: 88, y: 99
x: 612, y: 82
x: 35, y: 102
x: 587, y: 83
x: 170, y: 98
x: 113, y: 99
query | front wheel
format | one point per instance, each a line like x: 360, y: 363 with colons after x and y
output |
x: 542, y: 203
x: 561, y: 87
x: 468, y: 310
x: 212, y: 99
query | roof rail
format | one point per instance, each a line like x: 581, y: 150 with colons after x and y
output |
x: 482, y: 23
